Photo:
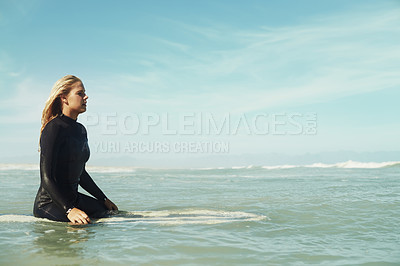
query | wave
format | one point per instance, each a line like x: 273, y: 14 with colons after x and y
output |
x: 163, y: 217
x: 15, y: 218
x: 15, y: 166
x: 353, y: 164
x: 109, y: 169
x: 94, y: 169
x: 286, y: 166
x: 243, y: 167
x: 347, y: 164
x: 181, y: 217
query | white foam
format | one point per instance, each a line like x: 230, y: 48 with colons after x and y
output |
x: 109, y: 169
x: 97, y: 169
x: 286, y: 166
x: 347, y: 164
x: 14, y: 166
x: 353, y: 164
x: 164, y: 217
x: 212, y: 168
x: 243, y: 167
x: 15, y: 218
x: 180, y: 217
x: 239, y: 167
x: 320, y: 165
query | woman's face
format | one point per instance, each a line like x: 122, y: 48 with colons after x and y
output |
x: 75, y: 102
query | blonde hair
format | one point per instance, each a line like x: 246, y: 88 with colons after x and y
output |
x: 53, y: 107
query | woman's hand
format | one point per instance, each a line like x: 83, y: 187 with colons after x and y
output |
x: 76, y: 216
x: 110, y: 205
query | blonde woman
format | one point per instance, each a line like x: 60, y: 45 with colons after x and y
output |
x: 64, y: 152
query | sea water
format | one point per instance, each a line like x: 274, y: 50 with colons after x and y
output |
x: 342, y: 214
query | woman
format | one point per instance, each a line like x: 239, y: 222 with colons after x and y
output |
x: 63, y: 153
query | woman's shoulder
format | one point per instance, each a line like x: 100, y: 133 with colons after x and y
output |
x: 54, y: 125
x: 50, y: 132
x: 82, y: 128
x: 60, y: 122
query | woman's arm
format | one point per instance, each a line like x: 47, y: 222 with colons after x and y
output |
x: 90, y: 186
x: 48, y: 150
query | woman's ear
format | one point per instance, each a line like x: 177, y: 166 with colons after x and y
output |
x: 64, y: 99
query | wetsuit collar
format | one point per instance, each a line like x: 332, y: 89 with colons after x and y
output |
x: 67, y: 119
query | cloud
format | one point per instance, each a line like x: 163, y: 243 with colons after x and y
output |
x: 220, y: 68
x: 25, y: 103
x: 266, y: 67
x: 179, y: 46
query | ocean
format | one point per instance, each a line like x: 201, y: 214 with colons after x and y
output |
x: 340, y: 214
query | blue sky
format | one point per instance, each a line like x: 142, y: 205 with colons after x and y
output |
x: 248, y: 59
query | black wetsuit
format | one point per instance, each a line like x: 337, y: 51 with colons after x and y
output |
x: 64, y: 151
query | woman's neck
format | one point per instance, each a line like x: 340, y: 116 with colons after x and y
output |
x: 70, y: 114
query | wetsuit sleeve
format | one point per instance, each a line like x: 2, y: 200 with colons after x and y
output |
x: 48, y: 159
x: 90, y: 186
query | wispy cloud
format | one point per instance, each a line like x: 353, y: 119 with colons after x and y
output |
x: 25, y: 103
x: 249, y: 70
x: 321, y: 60
x: 179, y: 46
